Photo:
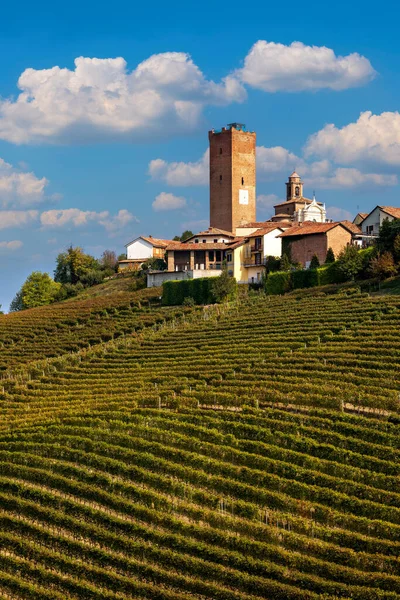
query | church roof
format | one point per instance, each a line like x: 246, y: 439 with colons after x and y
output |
x: 300, y: 200
x: 294, y: 174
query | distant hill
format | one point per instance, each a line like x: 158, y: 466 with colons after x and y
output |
x: 236, y: 452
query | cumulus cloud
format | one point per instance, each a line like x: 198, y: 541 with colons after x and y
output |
x: 17, y: 218
x: 18, y: 188
x: 276, y: 160
x: 275, y: 67
x: 102, y: 99
x: 166, y: 201
x: 347, y: 178
x: 13, y: 245
x: 181, y: 173
x: 372, y: 138
x: 74, y: 217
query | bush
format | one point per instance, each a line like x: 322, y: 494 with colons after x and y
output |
x: 314, y: 264
x: 330, y: 256
x: 304, y: 279
x: 189, y: 301
x: 223, y: 287
x: 383, y: 266
x: 328, y: 274
x: 278, y: 283
x: 199, y: 290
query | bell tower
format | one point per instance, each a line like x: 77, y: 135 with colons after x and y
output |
x: 232, y: 177
x: 294, y: 187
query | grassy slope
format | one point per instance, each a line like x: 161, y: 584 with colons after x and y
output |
x: 172, y: 461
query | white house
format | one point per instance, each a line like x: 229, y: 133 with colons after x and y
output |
x: 371, y: 223
x: 141, y: 249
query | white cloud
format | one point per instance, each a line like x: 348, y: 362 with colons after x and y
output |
x: 276, y: 160
x: 13, y: 245
x: 275, y: 67
x: 346, y: 178
x: 372, y: 138
x: 74, y: 217
x: 267, y: 201
x: 17, y: 218
x: 18, y: 188
x: 181, y: 173
x: 339, y: 214
x: 166, y: 201
x: 102, y: 99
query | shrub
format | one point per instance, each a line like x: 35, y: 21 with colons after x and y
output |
x: 223, y: 287
x: 304, y: 278
x: 330, y: 256
x: 278, y: 283
x: 314, y: 264
x: 188, y: 301
x: 383, y: 266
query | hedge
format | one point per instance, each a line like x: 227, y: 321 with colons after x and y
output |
x: 174, y: 292
x: 284, y: 281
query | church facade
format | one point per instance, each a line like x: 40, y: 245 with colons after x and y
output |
x: 296, y: 207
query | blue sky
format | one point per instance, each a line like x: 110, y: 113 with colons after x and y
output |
x: 100, y: 150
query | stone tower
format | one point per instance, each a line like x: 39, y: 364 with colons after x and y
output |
x: 294, y: 187
x: 232, y: 177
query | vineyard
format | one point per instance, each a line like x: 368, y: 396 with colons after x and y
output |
x: 239, y: 452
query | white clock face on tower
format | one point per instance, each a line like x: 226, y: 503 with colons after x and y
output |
x: 243, y: 196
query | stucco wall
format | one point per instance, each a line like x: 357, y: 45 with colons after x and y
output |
x: 139, y: 249
x: 375, y: 219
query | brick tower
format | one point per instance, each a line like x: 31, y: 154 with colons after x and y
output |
x: 232, y: 177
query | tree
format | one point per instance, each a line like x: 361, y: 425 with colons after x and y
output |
x: 39, y: 289
x: 1, y: 312
x: 330, y: 256
x: 396, y: 248
x: 285, y: 263
x: 154, y: 264
x: 109, y: 261
x: 314, y: 263
x: 73, y: 264
x: 223, y: 287
x: 383, y: 266
x: 349, y: 262
x: 185, y: 235
x: 388, y: 232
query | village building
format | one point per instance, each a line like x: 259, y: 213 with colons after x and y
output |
x: 296, y: 207
x: 372, y: 221
x: 141, y: 249
x: 304, y: 240
x: 246, y: 257
x: 232, y: 177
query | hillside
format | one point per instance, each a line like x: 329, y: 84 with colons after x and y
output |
x: 228, y: 452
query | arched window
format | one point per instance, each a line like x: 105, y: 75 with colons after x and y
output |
x: 242, y: 180
x: 297, y: 190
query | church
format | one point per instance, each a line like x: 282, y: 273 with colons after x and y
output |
x: 235, y: 237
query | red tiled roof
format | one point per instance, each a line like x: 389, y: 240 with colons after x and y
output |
x: 351, y: 226
x: 301, y: 200
x: 156, y: 241
x: 393, y: 211
x: 212, y: 231
x: 193, y: 246
x: 308, y: 228
x: 264, y: 230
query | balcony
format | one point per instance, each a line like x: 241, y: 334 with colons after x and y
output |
x: 252, y: 262
x: 256, y: 248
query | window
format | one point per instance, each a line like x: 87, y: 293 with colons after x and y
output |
x: 220, y: 177
x: 242, y: 180
x: 196, y: 241
x: 204, y: 241
x: 220, y: 150
x: 211, y: 255
x: 229, y: 258
x: 370, y: 229
x: 215, y: 241
x: 218, y: 255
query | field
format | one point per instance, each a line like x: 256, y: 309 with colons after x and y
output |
x: 244, y: 451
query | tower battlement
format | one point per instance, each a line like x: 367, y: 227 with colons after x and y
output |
x: 232, y: 176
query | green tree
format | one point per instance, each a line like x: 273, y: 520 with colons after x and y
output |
x: 223, y: 287
x: 388, y: 232
x: 16, y: 303
x: 1, y: 312
x: 154, y: 264
x: 73, y: 265
x: 314, y: 263
x: 185, y: 235
x: 396, y: 248
x: 349, y: 262
x: 330, y: 256
x: 39, y: 289
x: 382, y: 266
x: 285, y: 263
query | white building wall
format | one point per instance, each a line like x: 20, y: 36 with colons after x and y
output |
x: 371, y: 224
x: 139, y: 249
x: 273, y: 244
